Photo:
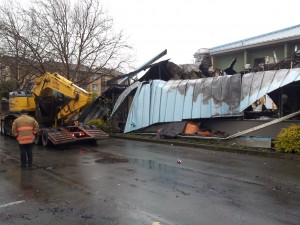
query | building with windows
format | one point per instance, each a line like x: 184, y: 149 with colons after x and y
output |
x: 98, y: 82
x: 273, y: 50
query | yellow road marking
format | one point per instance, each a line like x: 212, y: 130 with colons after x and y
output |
x: 156, y: 223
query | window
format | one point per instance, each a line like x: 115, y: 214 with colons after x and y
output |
x: 95, y: 87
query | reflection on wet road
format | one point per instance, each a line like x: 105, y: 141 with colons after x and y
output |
x: 128, y: 182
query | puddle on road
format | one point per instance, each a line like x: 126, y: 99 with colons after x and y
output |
x: 153, y: 165
x: 108, y: 158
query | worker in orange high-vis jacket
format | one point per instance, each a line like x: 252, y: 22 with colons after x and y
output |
x: 24, y: 128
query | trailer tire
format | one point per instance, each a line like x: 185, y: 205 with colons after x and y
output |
x: 45, y: 139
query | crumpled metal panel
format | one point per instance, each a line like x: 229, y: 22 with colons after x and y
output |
x: 198, y: 104
x: 169, y: 90
x: 124, y: 94
x: 188, y: 99
x: 160, y: 101
x: 156, y: 100
x: 257, y: 85
x: 180, y: 100
x: 134, y: 114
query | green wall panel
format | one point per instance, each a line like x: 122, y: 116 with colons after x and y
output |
x: 222, y: 61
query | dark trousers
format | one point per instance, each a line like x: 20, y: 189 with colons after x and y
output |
x: 26, y: 154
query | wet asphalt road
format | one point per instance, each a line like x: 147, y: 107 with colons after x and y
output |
x: 129, y: 182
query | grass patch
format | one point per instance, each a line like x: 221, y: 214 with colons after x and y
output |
x: 214, y: 143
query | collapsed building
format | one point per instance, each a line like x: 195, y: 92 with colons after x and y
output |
x: 171, y: 98
x: 200, y: 101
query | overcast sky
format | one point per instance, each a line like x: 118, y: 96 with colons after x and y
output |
x: 184, y: 26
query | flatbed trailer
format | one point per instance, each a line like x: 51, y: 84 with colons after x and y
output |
x: 57, y: 136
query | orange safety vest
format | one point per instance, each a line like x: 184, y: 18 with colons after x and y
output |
x: 24, y: 129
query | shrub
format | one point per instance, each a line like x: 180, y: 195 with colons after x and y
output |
x: 288, y: 139
x: 99, y: 123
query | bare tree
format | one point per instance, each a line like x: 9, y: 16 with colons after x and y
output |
x: 77, y: 40
x: 15, y: 55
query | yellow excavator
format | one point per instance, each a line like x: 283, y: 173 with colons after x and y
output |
x: 54, y: 102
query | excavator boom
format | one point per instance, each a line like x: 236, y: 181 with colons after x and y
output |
x: 71, y: 98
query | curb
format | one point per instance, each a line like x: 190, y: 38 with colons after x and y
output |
x: 215, y: 148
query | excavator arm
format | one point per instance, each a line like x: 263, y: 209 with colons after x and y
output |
x: 67, y: 98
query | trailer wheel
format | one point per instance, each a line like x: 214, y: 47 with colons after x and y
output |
x: 45, y: 139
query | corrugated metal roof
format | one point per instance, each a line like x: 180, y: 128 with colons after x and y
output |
x: 125, y: 93
x: 257, y: 85
x: 175, y: 100
x: 289, y: 32
x: 161, y: 101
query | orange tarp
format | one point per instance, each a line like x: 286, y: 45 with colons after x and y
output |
x: 205, y: 133
x: 191, y: 128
